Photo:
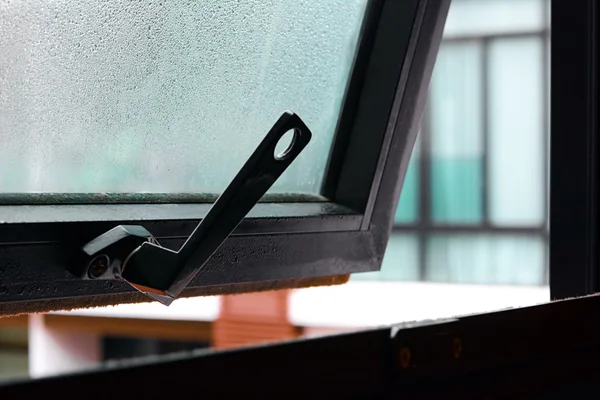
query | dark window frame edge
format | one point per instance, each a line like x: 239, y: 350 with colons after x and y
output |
x: 36, y: 271
x: 574, y: 148
x: 312, y: 223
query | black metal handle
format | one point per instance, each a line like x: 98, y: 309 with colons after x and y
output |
x: 163, y: 273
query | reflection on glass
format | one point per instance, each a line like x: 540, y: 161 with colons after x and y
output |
x: 166, y: 97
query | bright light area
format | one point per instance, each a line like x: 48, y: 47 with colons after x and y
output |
x: 192, y: 309
x: 356, y: 304
x: 384, y: 303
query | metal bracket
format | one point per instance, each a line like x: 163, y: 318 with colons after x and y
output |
x: 130, y: 253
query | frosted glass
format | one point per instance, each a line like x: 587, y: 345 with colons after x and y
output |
x: 166, y: 96
x: 489, y: 17
x: 457, y: 134
x: 516, y: 144
x: 486, y: 259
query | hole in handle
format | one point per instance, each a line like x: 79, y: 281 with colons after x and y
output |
x: 285, y: 144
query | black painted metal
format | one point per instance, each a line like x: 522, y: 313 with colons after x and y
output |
x: 241, y: 259
x: 574, y: 148
x: 385, y: 77
x: 419, y: 80
x: 49, y: 199
x: 277, y: 371
x: 406, y: 118
x: 546, y: 128
x: 103, y: 257
x: 347, y: 234
x: 352, y: 99
x: 508, y: 354
x: 162, y: 273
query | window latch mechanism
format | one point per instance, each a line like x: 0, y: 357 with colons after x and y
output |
x: 130, y: 253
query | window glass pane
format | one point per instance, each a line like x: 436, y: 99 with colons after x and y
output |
x: 517, y: 137
x: 154, y: 96
x: 408, y: 205
x: 400, y: 263
x: 491, y: 259
x: 456, y: 134
x: 486, y: 17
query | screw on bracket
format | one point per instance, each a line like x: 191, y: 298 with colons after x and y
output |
x: 405, y: 357
x: 457, y: 348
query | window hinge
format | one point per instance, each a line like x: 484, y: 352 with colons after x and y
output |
x: 130, y: 253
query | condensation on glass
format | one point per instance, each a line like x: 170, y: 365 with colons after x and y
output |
x: 166, y: 97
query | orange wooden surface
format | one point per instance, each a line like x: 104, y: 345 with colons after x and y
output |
x: 20, y: 320
x: 253, y: 318
x: 133, y: 327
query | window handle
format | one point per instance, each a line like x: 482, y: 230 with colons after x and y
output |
x: 130, y: 253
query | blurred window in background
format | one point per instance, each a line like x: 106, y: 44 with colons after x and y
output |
x: 474, y: 205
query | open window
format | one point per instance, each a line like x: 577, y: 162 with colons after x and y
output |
x: 344, y: 226
x: 140, y: 115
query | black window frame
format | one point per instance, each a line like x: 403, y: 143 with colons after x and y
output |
x: 574, y: 148
x: 347, y: 233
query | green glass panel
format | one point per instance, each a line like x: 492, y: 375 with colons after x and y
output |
x: 456, y: 187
